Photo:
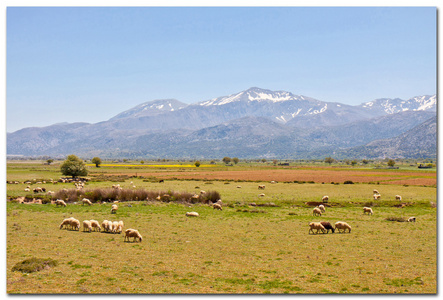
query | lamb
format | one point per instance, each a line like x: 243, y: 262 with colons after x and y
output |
x: 87, y: 225
x: 60, y: 202
x: 377, y: 197
x: 398, y: 197
x: 368, y: 210
x: 342, y: 226
x: 316, y: 225
x: 217, y: 206
x: 316, y: 211
x: 192, y: 214
x: 132, y: 233
x: 325, y: 199
x: 86, y: 201
x: 261, y: 187
x: 95, y: 225
x: 327, y: 226
x: 114, y: 208
x: 322, y: 208
x: 411, y: 219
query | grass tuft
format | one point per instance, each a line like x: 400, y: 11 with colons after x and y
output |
x: 34, y: 264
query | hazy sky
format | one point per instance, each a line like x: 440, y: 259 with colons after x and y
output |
x: 88, y: 64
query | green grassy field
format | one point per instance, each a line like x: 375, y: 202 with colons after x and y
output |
x: 241, y: 249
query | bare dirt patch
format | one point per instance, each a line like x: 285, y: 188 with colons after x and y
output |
x: 318, y: 175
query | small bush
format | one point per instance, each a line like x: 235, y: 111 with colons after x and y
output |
x: 348, y: 182
x: 34, y: 265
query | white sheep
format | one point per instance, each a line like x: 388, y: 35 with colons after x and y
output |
x: 27, y: 190
x: 398, y: 197
x: 217, y: 206
x: 261, y: 195
x: 322, y: 208
x: 375, y: 192
x: 325, y: 198
x: 66, y: 223
x: 114, y: 226
x: 95, y: 225
x: 202, y: 192
x: 60, y: 202
x: 316, y: 225
x: 86, y: 201
x: 105, y: 225
x: 411, y: 219
x: 377, y: 197
x: 75, y: 224
x: 119, y: 227
x: 192, y: 214
x: 132, y: 233
x: 114, y: 208
x: 87, y: 225
x: 368, y: 210
x: 342, y: 226
x: 316, y: 211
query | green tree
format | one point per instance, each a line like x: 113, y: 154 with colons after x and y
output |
x: 353, y: 162
x: 197, y: 164
x: 50, y: 161
x: 365, y: 161
x: 73, y: 166
x: 142, y: 162
x: 97, y: 161
x: 329, y: 160
x: 263, y: 160
x: 275, y: 162
x: 391, y: 162
x: 235, y: 160
x: 226, y: 160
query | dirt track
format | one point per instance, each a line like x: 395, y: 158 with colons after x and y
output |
x: 318, y: 175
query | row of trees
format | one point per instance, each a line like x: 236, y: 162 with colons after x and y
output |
x: 330, y: 160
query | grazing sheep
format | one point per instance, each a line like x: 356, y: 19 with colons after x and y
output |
x: 202, y: 192
x: 132, y: 233
x: 375, y: 192
x: 75, y: 224
x: 119, y: 228
x: 192, y: 214
x: 217, y: 206
x: 66, y: 223
x: 261, y: 187
x: 238, y: 186
x: 316, y: 211
x: 368, y: 210
x: 325, y: 199
x: 261, y: 195
x: 27, y: 190
x: 327, y: 226
x: 60, y: 202
x: 114, y: 208
x: 195, y: 196
x: 411, y: 219
x: 273, y: 182
x: 86, y: 201
x: 398, y: 197
x: 37, y: 190
x: 377, y: 197
x: 114, y: 226
x: 87, y: 225
x: 105, y: 225
x: 95, y: 225
x: 342, y: 226
x: 322, y: 208
x: 316, y: 225
x: 50, y: 193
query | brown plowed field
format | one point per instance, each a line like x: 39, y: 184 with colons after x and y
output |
x: 318, y: 175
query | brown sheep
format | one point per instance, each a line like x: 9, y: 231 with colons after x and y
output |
x: 132, y: 233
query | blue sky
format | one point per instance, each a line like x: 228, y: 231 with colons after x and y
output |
x: 72, y: 64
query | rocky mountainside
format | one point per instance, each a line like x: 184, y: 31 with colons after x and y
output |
x: 251, y: 123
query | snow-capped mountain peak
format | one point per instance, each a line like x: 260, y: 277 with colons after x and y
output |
x: 253, y: 94
x: 392, y: 106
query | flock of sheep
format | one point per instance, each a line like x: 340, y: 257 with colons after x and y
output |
x: 107, y: 226
x: 341, y: 226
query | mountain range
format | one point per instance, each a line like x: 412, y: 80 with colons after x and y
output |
x: 254, y: 123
